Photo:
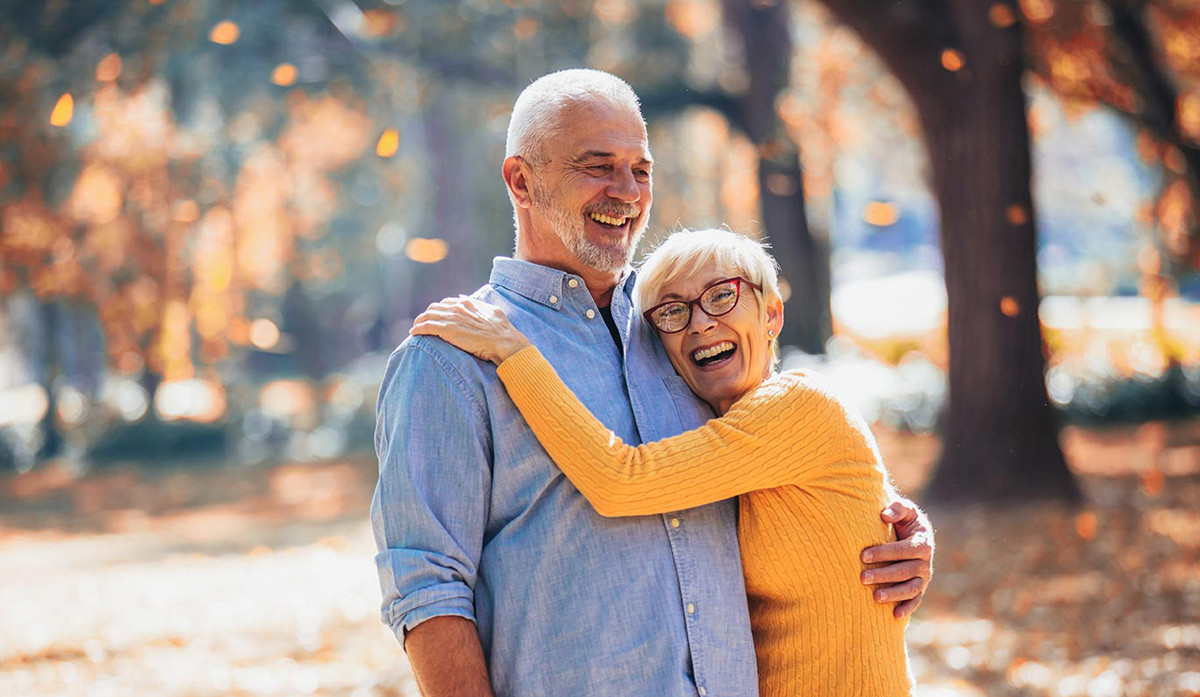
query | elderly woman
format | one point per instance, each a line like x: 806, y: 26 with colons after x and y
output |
x: 805, y: 467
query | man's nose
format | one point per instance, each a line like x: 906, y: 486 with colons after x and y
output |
x: 624, y: 186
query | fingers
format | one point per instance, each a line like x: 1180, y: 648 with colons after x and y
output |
x: 897, y: 572
x: 901, y: 591
x: 915, y: 547
x: 900, y: 510
x: 907, y: 607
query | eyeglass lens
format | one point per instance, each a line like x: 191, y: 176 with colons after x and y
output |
x: 716, y: 300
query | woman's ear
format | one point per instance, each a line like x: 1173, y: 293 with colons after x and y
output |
x: 775, y: 317
x: 516, y: 176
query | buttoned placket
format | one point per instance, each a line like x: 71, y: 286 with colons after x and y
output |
x: 677, y: 534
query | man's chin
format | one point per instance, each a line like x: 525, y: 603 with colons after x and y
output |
x: 604, y: 258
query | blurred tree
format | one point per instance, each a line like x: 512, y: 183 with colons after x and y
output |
x: 764, y: 30
x: 1140, y: 58
x: 961, y: 62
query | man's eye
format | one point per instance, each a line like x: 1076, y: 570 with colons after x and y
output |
x: 599, y: 168
x: 643, y: 174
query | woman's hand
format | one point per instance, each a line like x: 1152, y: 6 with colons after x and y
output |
x: 472, y: 325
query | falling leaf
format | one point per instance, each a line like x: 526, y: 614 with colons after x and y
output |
x: 389, y: 143
x: 64, y: 110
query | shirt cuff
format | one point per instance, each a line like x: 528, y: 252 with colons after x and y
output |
x: 403, y: 615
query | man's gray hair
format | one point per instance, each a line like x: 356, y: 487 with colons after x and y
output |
x: 535, y: 115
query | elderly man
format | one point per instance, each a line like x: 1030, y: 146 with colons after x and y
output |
x: 497, y: 576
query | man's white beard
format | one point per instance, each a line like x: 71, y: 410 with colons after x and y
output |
x: 569, y: 226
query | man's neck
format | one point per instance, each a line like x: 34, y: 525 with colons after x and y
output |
x: 599, y: 283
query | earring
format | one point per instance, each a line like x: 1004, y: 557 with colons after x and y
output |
x: 771, y: 333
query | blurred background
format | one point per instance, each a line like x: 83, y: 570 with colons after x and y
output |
x: 217, y: 219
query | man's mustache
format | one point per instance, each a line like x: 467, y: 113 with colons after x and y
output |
x: 615, y: 211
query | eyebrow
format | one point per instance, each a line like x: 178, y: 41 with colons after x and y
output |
x: 602, y: 155
x: 675, y: 296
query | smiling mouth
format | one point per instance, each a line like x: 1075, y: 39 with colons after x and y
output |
x: 610, y: 220
x: 714, y: 354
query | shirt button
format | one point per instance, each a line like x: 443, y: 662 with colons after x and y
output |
x: 591, y: 314
x: 691, y: 608
x: 553, y: 299
x: 675, y: 522
x: 573, y: 283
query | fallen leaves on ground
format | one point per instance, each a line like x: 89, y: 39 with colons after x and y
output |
x: 221, y: 580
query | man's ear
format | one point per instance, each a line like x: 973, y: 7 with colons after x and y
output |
x: 517, y: 178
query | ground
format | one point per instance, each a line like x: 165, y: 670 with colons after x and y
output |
x: 221, y: 580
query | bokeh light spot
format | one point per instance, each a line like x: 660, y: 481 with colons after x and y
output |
x: 186, y: 211
x: 881, y: 214
x: 64, y: 110
x: 525, y: 28
x: 284, y: 74
x: 952, y: 60
x: 1009, y: 306
x: 389, y: 143
x: 1086, y: 525
x: 1016, y: 214
x: 426, y: 251
x: 109, y: 68
x: 264, y: 334
x: 224, y: 33
x: 1001, y: 15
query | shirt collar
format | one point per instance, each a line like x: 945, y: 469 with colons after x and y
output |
x: 540, y: 283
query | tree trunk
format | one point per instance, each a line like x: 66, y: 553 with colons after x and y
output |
x: 999, y: 431
x: 764, y: 29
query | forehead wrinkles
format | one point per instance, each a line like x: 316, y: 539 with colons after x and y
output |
x: 596, y: 125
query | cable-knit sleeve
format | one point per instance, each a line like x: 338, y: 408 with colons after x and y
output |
x: 781, y: 433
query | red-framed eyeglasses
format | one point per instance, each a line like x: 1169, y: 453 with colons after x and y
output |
x: 718, y: 299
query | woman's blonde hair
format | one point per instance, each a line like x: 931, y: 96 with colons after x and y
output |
x: 685, y: 252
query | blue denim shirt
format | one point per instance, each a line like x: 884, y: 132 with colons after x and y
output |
x: 473, y: 519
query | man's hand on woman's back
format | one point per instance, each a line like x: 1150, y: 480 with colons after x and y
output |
x: 908, y: 561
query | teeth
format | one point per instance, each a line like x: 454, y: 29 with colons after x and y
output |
x: 712, y: 351
x: 607, y: 220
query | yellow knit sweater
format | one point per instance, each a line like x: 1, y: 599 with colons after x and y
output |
x: 811, y: 487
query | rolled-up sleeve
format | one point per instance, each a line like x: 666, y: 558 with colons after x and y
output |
x: 430, y: 506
